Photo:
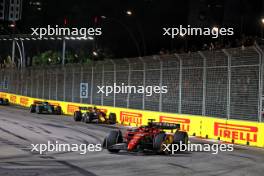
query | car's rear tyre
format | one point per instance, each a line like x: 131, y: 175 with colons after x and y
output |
x: 87, y: 118
x: 158, y: 141
x: 59, y: 110
x: 77, y: 116
x: 38, y: 110
x: 114, y: 137
x: 179, y: 138
x: 112, y: 118
x: 32, y: 108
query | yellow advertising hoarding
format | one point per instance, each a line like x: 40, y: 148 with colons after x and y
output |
x: 234, y: 131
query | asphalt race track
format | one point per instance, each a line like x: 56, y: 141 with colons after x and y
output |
x: 19, y: 129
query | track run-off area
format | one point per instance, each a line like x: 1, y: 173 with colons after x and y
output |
x: 19, y: 129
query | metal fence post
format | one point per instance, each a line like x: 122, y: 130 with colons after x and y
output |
x: 26, y: 87
x: 160, y: 85
x: 180, y: 85
x: 49, y: 76
x: 18, y: 82
x: 114, y: 64
x: 63, y: 51
x: 144, y: 82
x: 37, y: 93
x: 204, y: 83
x: 91, y: 97
x: 228, y: 84
x: 32, y: 81
x: 260, y: 104
x: 64, y: 83
x: 73, y: 85
x: 21, y: 80
x: 56, y: 84
x: 102, y: 95
x: 81, y: 99
x: 128, y: 82
x: 43, y: 84
x: 18, y: 77
x: 13, y: 51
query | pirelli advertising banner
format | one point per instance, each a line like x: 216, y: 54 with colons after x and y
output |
x: 234, y: 131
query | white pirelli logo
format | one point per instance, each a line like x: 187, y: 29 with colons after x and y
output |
x: 236, y: 132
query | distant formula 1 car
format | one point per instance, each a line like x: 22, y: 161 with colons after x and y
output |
x: 45, y: 108
x: 145, y: 138
x: 90, y: 115
x: 4, y: 101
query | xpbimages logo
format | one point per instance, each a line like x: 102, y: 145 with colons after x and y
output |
x: 129, y: 89
x: 59, y: 147
x: 59, y: 31
x: 215, y: 32
x: 181, y: 147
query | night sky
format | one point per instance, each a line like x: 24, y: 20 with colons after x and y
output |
x: 146, y: 22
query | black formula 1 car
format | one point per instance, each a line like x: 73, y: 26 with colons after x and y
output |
x: 45, y: 108
x: 146, y: 138
x: 4, y: 101
x: 90, y: 115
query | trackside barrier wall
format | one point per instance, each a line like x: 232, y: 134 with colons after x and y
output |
x: 225, y: 84
x: 234, y: 131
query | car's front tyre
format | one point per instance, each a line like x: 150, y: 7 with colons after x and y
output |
x: 114, y: 137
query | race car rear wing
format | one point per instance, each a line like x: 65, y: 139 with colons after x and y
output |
x: 84, y: 108
x: 165, y: 125
x: 37, y: 102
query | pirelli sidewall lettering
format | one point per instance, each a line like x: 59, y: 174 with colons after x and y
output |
x: 234, y: 131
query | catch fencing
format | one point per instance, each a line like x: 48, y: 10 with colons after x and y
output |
x: 225, y: 83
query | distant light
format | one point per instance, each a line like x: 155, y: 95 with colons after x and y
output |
x: 262, y: 20
x: 12, y: 25
x: 65, y: 21
x: 182, y: 35
x: 129, y: 12
x: 103, y: 17
x: 95, y: 20
x: 90, y: 38
x: 215, y: 29
x: 95, y: 53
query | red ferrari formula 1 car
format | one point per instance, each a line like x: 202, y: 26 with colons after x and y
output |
x: 145, y: 138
